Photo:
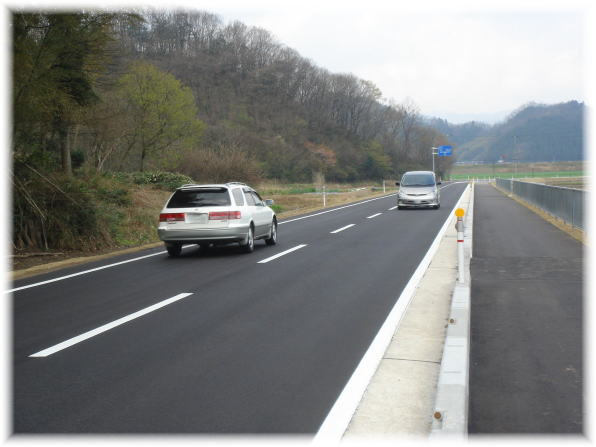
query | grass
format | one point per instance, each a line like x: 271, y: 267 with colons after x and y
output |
x: 520, y: 174
x: 566, y: 182
x: 293, y: 199
x: 519, y: 170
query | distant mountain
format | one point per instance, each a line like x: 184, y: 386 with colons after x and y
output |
x: 461, y: 118
x: 459, y: 134
x: 534, y: 132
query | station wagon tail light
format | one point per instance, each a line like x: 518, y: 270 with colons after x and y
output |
x: 224, y: 215
x: 171, y: 217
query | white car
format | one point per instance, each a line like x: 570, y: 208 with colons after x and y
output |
x: 216, y: 214
x: 418, y: 189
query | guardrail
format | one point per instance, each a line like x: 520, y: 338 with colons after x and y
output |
x: 565, y: 203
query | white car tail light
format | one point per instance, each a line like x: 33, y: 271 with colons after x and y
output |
x: 171, y: 217
x: 224, y: 215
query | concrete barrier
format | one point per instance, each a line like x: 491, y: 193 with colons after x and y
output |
x: 450, y: 416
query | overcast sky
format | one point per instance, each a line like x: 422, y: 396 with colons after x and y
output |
x: 455, y: 59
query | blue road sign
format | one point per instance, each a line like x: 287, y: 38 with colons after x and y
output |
x: 444, y: 151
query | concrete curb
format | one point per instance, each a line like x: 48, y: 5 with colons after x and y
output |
x: 451, y: 403
x: 344, y: 412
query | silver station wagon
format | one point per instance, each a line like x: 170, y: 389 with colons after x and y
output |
x: 216, y: 214
x: 418, y: 189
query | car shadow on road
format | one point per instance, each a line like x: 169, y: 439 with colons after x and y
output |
x: 215, y: 251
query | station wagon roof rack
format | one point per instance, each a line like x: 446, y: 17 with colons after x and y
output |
x: 218, y: 185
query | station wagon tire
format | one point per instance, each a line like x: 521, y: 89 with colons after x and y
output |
x: 249, y: 245
x: 437, y: 206
x: 272, y: 239
x: 174, y: 250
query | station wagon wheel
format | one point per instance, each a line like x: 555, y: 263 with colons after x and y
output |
x: 174, y: 250
x: 249, y: 245
x: 272, y: 239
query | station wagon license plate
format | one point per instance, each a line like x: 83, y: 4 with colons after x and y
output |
x: 197, y: 218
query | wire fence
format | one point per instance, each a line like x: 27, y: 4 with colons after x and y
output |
x: 565, y: 203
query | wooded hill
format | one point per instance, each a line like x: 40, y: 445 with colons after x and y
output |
x: 96, y: 93
x: 534, y: 132
x: 262, y: 106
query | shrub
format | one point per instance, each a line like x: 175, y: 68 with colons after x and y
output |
x: 222, y: 164
x: 163, y: 180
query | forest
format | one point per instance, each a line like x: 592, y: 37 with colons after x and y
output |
x: 169, y: 96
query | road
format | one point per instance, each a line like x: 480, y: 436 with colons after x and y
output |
x: 251, y: 347
x: 526, y: 356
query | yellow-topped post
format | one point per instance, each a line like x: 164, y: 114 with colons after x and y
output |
x: 459, y: 226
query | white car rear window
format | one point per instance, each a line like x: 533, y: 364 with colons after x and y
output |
x: 192, y: 198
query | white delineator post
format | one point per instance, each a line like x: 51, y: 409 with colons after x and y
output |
x: 459, y: 226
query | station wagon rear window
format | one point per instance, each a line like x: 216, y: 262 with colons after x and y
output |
x: 193, y: 198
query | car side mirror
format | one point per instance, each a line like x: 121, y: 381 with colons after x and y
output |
x: 269, y: 202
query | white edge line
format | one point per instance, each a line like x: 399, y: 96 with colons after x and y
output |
x: 298, y: 247
x: 342, y: 229
x: 335, y: 209
x: 106, y: 327
x: 374, y: 215
x: 83, y: 272
x: 340, y: 415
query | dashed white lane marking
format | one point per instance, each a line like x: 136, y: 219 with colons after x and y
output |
x: 374, y: 215
x: 335, y: 209
x: 297, y: 247
x: 392, y: 208
x: 106, y: 327
x: 342, y: 229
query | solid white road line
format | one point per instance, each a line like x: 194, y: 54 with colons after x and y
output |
x: 392, y: 208
x: 297, y: 247
x: 342, y: 229
x: 106, y: 327
x: 340, y: 415
x: 84, y: 272
x: 374, y: 215
x: 335, y: 209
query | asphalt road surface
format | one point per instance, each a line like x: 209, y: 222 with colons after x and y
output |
x: 526, y: 373
x: 240, y: 346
